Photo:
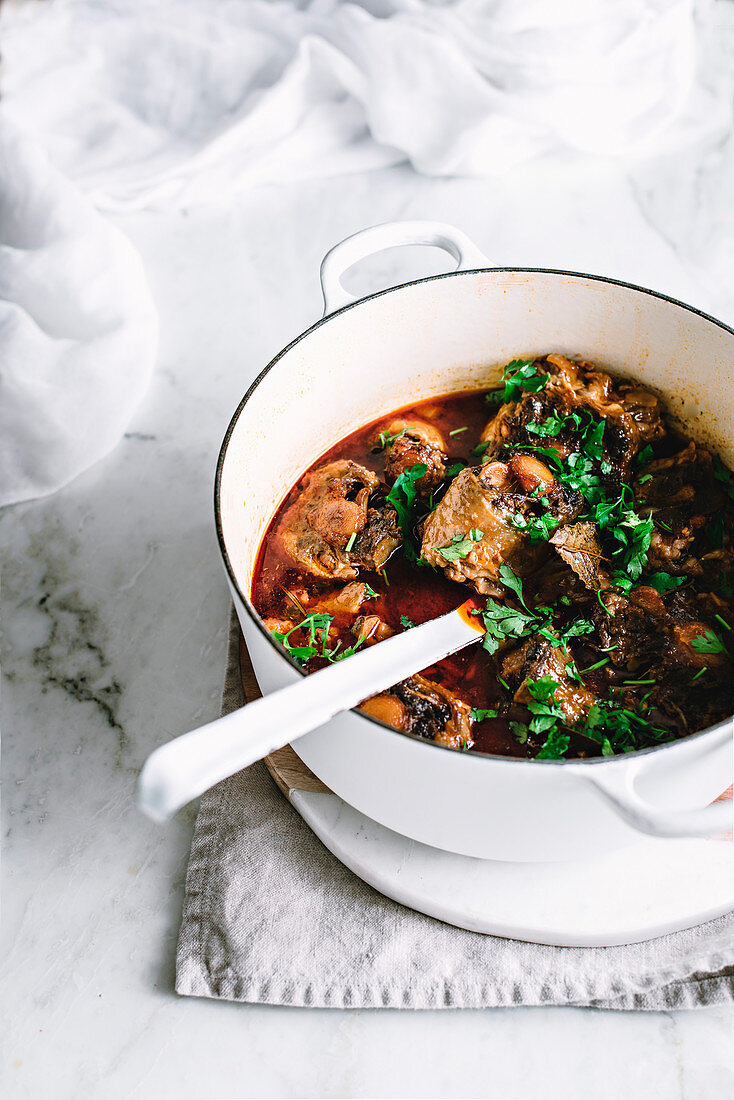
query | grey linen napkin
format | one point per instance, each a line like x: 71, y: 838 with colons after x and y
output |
x: 270, y: 916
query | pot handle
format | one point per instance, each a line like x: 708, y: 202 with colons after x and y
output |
x: 390, y: 235
x: 617, y: 788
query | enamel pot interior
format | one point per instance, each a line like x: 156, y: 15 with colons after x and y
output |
x: 450, y: 333
x: 426, y: 339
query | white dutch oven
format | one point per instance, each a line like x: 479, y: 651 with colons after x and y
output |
x: 427, y: 338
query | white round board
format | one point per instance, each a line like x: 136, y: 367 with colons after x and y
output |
x: 633, y: 894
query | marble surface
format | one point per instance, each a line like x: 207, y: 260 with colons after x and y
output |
x: 115, y: 618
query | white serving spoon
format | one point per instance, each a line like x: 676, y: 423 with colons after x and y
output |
x: 186, y: 767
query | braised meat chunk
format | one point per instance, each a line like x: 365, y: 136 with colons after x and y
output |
x: 682, y: 496
x: 495, y: 514
x: 332, y: 512
x: 410, y: 443
x: 540, y: 658
x: 378, y: 538
x: 419, y: 706
x: 577, y: 400
x: 471, y: 532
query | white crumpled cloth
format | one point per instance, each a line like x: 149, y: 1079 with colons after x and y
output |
x: 167, y: 103
x: 78, y: 328
x: 175, y: 102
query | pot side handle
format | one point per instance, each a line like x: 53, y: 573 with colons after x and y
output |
x: 391, y: 235
x: 617, y: 788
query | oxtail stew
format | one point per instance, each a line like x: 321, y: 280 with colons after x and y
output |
x: 599, y: 541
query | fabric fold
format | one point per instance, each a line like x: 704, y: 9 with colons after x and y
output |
x: 167, y: 103
x: 78, y: 329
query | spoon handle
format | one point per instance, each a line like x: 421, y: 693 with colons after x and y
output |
x: 187, y: 766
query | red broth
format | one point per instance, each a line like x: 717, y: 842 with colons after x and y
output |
x: 404, y: 589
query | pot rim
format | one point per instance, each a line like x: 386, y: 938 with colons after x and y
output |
x: 257, y: 621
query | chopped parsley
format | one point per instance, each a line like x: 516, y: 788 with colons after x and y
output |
x: 478, y: 714
x: 622, y: 729
x: 555, y: 746
x: 665, y: 582
x: 369, y: 592
x: 518, y: 375
x: 545, y: 710
x: 596, y: 665
x: 316, y: 628
x: 502, y: 623
x: 406, y: 623
x: 480, y: 449
x: 575, y: 630
x: 547, y: 717
x: 634, y: 534
x: 384, y: 439
x: 459, y: 548
x: 511, y: 580
x: 576, y: 471
x: 708, y: 642
x: 553, y: 425
x: 537, y: 528
x: 454, y: 469
x: 519, y: 731
x: 402, y: 496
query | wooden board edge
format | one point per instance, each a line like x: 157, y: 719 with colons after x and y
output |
x: 284, y: 765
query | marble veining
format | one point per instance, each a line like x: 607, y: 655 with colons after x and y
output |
x: 115, y: 621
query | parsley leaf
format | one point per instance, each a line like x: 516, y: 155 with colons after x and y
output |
x: 454, y: 469
x: 402, y: 496
x: 575, y: 630
x: 665, y: 582
x: 634, y: 533
x: 403, y: 493
x: 512, y: 581
x: 316, y: 627
x: 518, y: 375
x: 577, y: 471
x: 459, y: 547
x: 384, y: 439
x: 620, y: 729
x: 406, y: 623
x: 477, y: 714
x: 708, y: 642
x: 546, y: 711
x: 591, y: 441
x: 502, y: 622
x: 537, y: 528
x: 551, y: 426
x: 555, y: 746
x: 519, y: 731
